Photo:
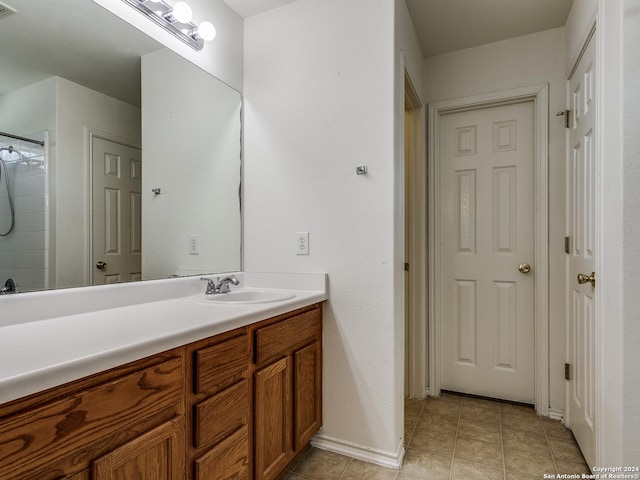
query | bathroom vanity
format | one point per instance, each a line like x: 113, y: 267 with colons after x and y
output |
x: 240, y: 403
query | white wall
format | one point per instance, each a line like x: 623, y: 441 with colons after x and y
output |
x: 78, y: 111
x: 319, y: 101
x: 24, y: 253
x: 221, y: 57
x: 631, y: 215
x: 528, y: 60
x: 579, y: 24
x: 191, y: 150
x: 407, y: 43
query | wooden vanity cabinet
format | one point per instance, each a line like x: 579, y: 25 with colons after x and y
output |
x: 287, y: 388
x: 220, y: 412
x: 240, y: 405
x: 100, y: 426
x: 157, y: 455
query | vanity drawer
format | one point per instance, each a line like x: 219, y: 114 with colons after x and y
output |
x: 222, y: 414
x: 221, y: 365
x: 82, y: 422
x: 229, y: 459
x: 283, y: 336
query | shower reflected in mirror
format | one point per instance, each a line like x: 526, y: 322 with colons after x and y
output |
x: 23, y: 213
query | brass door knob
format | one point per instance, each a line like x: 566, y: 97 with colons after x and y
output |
x: 582, y: 279
x: 524, y: 268
x: 100, y: 265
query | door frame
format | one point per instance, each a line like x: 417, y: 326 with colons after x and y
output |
x: 539, y: 95
x: 416, y: 251
x: 90, y: 134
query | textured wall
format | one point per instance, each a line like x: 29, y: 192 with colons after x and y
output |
x: 319, y: 100
x: 631, y: 280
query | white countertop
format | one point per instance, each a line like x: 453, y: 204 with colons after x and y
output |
x: 39, y: 350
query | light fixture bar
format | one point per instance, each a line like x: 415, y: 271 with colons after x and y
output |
x: 160, y: 13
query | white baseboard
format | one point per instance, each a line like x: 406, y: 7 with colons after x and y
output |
x: 366, y: 454
x: 556, y: 414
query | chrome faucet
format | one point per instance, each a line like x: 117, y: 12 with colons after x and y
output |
x: 211, y: 286
x: 222, y: 286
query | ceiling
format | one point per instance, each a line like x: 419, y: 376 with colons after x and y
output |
x: 448, y: 25
x: 81, y: 41
x: 248, y: 8
x: 75, y: 39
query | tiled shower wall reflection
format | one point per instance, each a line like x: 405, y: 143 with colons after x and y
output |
x: 24, y: 252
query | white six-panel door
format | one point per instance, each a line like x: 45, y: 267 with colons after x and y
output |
x: 117, y: 201
x: 582, y: 231
x: 487, y: 231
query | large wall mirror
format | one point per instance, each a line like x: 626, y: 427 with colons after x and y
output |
x: 119, y: 159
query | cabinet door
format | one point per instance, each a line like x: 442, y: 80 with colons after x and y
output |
x: 229, y: 460
x: 83, y: 475
x: 155, y: 455
x: 307, y: 390
x: 273, y: 414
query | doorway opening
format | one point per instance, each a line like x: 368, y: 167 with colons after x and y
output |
x: 538, y: 96
x: 415, y: 268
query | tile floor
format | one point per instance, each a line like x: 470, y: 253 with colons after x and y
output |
x: 461, y: 438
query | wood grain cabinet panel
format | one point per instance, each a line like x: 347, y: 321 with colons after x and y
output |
x: 222, y: 414
x: 155, y: 455
x: 229, y: 460
x: 283, y: 336
x: 307, y: 391
x: 38, y: 437
x: 287, y: 389
x: 222, y: 365
x: 83, y: 475
x: 273, y: 421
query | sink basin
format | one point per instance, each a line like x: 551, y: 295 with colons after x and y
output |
x: 246, y: 297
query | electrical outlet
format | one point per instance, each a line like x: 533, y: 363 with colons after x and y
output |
x: 302, y: 243
x: 194, y: 245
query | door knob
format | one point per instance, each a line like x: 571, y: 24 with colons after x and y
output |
x: 524, y: 268
x: 582, y: 279
x: 100, y: 265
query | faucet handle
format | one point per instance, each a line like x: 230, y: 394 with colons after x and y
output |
x: 211, y: 286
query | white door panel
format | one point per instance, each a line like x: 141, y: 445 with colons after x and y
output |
x: 487, y: 230
x: 582, y: 185
x: 117, y: 210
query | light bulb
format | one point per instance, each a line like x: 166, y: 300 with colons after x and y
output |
x: 182, y: 12
x: 206, y: 31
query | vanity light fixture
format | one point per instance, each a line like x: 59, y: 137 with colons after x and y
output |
x: 176, y: 20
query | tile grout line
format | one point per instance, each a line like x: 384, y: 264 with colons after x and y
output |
x: 413, y: 430
x: 345, y: 468
x: 553, y: 457
x: 504, y: 461
x: 455, y: 439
